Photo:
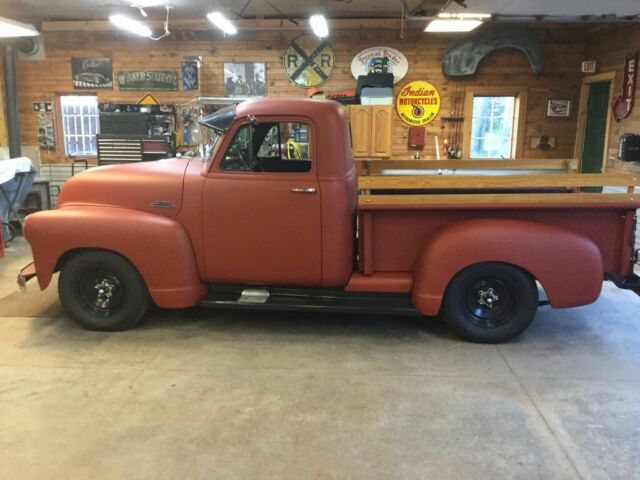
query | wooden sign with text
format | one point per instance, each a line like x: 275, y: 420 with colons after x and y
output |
x: 624, y: 103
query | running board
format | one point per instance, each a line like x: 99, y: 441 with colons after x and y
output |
x: 308, y: 300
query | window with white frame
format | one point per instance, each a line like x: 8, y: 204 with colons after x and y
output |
x: 80, y: 124
x: 493, y: 127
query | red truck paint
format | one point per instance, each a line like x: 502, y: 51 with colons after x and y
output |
x: 216, y: 227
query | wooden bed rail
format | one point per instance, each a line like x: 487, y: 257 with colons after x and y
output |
x: 376, y: 166
x: 492, y: 199
x: 534, y: 182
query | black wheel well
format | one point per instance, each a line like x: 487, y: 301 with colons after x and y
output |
x: 69, y: 254
x: 506, y: 264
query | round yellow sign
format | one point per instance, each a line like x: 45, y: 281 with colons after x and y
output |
x: 308, y: 61
x: 418, y: 103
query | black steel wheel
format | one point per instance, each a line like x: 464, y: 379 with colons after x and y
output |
x: 103, y: 291
x: 490, y: 302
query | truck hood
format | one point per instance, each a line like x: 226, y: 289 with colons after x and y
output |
x: 154, y: 187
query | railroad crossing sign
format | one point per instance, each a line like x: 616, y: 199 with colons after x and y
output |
x: 308, y: 61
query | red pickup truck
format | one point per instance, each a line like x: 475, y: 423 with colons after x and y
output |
x: 272, y: 218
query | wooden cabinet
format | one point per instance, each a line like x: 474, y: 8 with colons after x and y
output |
x: 380, y: 131
x: 371, y: 130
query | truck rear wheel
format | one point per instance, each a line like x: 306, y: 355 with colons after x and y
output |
x: 103, y: 291
x: 490, y: 302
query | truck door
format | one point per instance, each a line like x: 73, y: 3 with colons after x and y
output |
x: 261, y: 207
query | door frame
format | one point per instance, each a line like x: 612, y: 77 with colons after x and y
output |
x: 582, y: 116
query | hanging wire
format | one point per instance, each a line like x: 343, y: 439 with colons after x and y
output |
x: 166, y: 26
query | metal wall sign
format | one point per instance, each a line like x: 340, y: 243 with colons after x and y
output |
x: 624, y: 103
x: 418, y: 103
x: 308, y: 61
x: 91, y: 73
x: 148, y: 81
x: 380, y: 60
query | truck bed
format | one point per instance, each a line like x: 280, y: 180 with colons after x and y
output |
x: 399, y: 213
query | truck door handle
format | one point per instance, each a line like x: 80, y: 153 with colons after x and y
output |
x: 303, y: 190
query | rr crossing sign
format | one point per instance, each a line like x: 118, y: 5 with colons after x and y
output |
x: 308, y: 61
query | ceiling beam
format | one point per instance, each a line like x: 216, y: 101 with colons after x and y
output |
x: 203, y: 24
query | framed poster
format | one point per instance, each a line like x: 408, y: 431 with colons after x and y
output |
x: 92, y: 73
x: 190, y: 73
x: 148, y: 81
x: 245, y: 79
x: 559, y: 108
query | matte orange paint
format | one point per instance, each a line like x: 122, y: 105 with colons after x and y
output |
x: 250, y: 228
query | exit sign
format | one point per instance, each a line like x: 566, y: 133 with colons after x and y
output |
x: 589, y: 66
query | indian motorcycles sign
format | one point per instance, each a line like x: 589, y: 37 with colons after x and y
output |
x: 418, y: 103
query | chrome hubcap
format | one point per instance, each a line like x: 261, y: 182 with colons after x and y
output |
x: 105, y: 293
x: 487, y: 297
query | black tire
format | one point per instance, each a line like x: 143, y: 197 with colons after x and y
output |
x: 490, y: 302
x: 103, y: 291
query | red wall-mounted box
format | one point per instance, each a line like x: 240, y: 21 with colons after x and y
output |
x: 416, y: 137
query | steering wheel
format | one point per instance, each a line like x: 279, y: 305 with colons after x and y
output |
x: 236, y: 157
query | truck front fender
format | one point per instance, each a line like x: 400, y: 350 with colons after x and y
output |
x: 157, y: 246
x: 568, y: 265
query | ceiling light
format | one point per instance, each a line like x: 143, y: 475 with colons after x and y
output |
x: 456, y: 22
x: 465, y: 16
x: 12, y: 28
x: 130, y: 25
x: 319, y: 25
x: 452, y: 25
x: 222, y: 22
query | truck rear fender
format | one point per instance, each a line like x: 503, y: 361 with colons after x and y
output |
x: 568, y: 265
x: 157, y: 246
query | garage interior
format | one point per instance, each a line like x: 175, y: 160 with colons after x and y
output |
x: 537, y: 86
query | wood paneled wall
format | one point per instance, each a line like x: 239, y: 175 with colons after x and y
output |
x: 609, y: 45
x: 564, y: 47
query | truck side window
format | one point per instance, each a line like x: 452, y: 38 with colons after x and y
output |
x: 272, y: 148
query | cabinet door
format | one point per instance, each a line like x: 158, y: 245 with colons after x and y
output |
x: 381, y: 131
x: 360, y: 116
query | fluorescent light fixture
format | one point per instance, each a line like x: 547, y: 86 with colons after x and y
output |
x: 456, y: 22
x: 130, y: 25
x: 441, y: 26
x: 12, y: 28
x: 222, y: 22
x: 319, y: 25
x: 465, y: 16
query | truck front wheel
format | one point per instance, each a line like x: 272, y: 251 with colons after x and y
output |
x: 490, y: 302
x: 103, y: 291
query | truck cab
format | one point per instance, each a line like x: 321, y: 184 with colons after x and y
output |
x: 279, y: 195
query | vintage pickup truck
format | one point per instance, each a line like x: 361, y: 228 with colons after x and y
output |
x: 274, y: 217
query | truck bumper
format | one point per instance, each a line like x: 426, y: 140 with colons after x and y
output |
x: 26, y: 274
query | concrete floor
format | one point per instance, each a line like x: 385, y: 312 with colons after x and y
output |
x: 242, y: 395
